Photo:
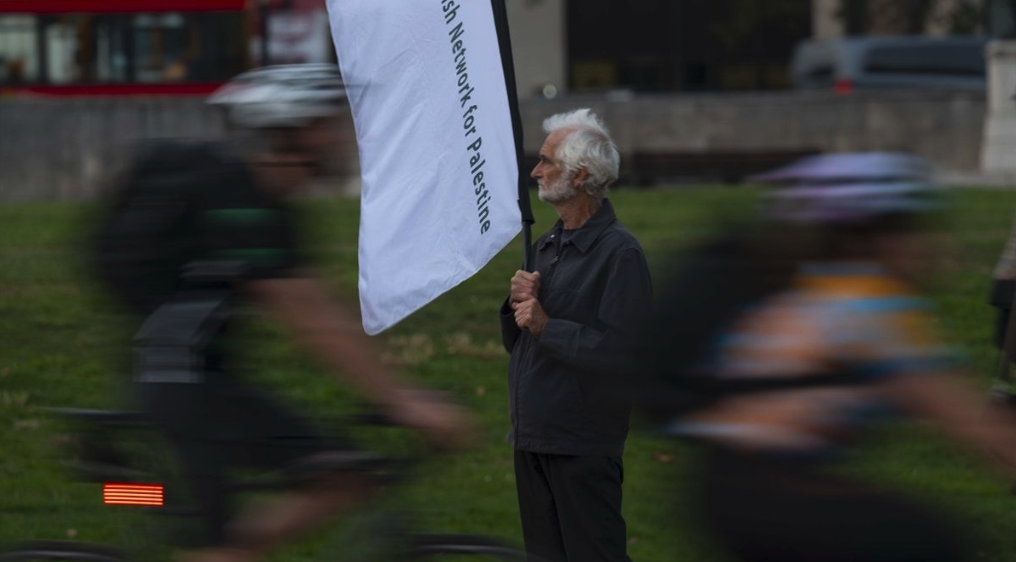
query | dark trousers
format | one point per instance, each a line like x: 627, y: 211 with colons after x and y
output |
x: 571, y: 507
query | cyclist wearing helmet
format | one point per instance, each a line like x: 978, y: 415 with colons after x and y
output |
x: 844, y: 341
x: 240, y: 249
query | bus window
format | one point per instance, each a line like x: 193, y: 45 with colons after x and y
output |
x: 19, y: 38
x: 144, y: 48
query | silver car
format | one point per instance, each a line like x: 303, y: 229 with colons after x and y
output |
x: 890, y: 62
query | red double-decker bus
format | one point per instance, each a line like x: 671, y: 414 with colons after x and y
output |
x: 129, y: 47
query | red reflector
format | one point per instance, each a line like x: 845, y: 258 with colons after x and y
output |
x: 133, y: 494
x: 843, y: 87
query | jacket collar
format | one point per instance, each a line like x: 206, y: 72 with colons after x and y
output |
x: 586, y: 234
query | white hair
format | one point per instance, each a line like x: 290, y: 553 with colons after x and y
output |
x: 587, y: 146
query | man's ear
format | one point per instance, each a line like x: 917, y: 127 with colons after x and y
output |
x: 580, y: 178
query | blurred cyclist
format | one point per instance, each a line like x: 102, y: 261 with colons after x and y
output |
x: 798, y: 373
x: 1002, y: 297
x: 235, y: 245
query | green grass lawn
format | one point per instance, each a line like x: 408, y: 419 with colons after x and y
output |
x: 61, y: 345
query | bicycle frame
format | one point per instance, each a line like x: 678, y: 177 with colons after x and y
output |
x: 101, y: 462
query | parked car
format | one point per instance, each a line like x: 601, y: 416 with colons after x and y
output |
x: 891, y: 62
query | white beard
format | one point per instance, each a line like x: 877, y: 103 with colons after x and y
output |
x: 557, y: 192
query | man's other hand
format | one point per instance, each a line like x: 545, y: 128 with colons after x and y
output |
x: 525, y: 286
x: 529, y: 315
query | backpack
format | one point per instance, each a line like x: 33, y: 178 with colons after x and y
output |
x: 147, y: 234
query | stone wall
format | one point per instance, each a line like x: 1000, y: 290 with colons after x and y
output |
x: 65, y: 149
x: 945, y: 128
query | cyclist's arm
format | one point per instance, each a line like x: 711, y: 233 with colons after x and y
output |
x: 332, y: 333
x: 918, y: 374
x: 961, y: 411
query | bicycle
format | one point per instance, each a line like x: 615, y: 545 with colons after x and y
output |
x: 100, y: 461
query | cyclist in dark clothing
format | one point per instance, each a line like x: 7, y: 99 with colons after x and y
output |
x: 240, y: 250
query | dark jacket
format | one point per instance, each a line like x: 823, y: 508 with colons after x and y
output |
x: 564, y: 386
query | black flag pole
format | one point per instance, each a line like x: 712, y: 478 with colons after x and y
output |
x: 507, y: 62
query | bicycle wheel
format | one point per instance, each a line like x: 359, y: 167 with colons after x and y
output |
x: 60, y: 550
x: 462, y: 548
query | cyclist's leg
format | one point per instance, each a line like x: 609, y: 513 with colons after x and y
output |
x: 278, y: 520
x: 182, y: 413
x: 260, y: 431
x: 763, y: 510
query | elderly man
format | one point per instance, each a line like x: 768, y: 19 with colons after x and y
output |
x: 565, y: 325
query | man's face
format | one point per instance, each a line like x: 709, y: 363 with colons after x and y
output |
x: 555, y: 185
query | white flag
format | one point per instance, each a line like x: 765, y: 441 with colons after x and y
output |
x: 437, y: 149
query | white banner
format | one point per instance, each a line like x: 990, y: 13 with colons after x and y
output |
x: 437, y: 153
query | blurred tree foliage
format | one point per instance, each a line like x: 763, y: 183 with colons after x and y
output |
x: 755, y: 40
x: 745, y: 18
x: 897, y: 17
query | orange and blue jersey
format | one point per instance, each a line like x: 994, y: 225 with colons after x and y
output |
x: 837, y: 318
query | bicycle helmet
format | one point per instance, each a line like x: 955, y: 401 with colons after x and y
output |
x: 850, y: 188
x: 282, y: 96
